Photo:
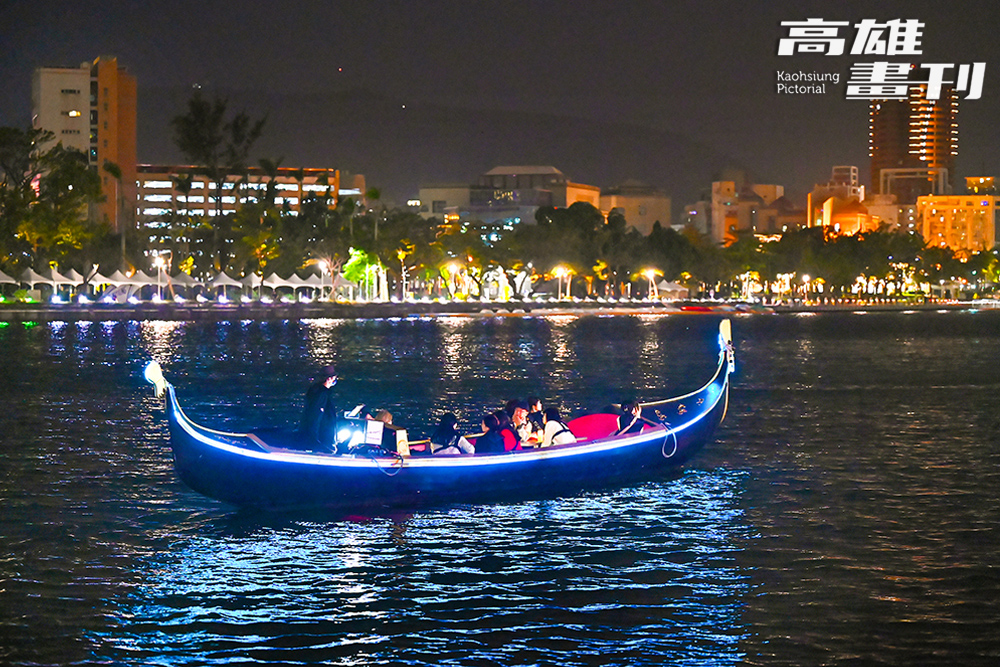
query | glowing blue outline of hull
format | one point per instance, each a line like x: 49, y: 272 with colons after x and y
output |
x: 240, y: 469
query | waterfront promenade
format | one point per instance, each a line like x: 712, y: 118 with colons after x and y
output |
x: 339, y: 310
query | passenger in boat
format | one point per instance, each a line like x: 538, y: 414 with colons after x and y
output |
x: 319, y: 417
x: 388, y: 431
x: 535, y: 415
x: 447, y: 440
x: 556, y: 432
x: 525, y: 431
x: 630, y: 420
x: 510, y: 440
x: 491, y: 441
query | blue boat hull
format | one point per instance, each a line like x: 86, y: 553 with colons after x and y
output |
x: 243, y: 470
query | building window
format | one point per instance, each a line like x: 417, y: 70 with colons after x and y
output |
x: 438, y: 206
x: 70, y: 91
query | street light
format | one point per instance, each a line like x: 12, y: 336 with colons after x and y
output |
x: 560, y: 272
x: 651, y: 275
x: 159, y: 263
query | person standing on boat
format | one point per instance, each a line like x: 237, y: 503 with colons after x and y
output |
x: 319, y: 418
x: 630, y: 420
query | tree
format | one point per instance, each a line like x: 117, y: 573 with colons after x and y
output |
x: 44, y: 197
x: 220, y: 147
x: 21, y: 162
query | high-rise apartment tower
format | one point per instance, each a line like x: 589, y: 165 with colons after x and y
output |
x: 93, y: 108
x: 912, y: 144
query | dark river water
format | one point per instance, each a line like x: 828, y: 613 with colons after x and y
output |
x: 847, y: 513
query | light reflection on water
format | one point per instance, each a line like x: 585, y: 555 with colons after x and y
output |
x: 645, y: 575
x: 847, y: 512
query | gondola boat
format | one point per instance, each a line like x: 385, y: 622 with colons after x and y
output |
x: 259, y: 471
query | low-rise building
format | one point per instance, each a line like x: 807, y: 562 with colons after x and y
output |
x: 506, y: 196
x: 182, y: 189
x: 964, y: 223
x: 981, y: 185
x: 778, y: 217
x: 736, y: 211
x: 167, y: 191
x: 641, y: 204
x: 843, y: 184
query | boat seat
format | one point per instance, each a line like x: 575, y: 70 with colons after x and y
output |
x: 595, y: 426
x: 278, y: 440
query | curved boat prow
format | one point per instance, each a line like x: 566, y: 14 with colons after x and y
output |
x: 154, y: 376
x: 726, y: 343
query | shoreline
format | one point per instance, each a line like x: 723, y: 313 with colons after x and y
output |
x: 298, y: 311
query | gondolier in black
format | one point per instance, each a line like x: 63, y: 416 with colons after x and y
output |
x: 319, y: 417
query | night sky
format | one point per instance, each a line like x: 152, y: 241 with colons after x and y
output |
x: 407, y: 93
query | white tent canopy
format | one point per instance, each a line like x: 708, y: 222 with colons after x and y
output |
x: 313, y: 280
x: 119, y: 278
x: 97, y: 278
x: 142, y: 278
x: 75, y: 276
x: 340, y: 281
x: 671, y: 290
x: 4, y: 278
x: 223, y: 280
x: 251, y: 280
x: 183, y: 280
x: 274, y: 281
x: 32, y: 278
x: 57, y: 278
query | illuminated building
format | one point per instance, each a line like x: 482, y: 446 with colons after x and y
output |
x: 780, y: 216
x: 164, y: 192
x: 843, y: 183
x: 964, y: 223
x: 981, y: 185
x: 736, y: 210
x: 912, y: 144
x: 93, y: 108
x: 847, y: 216
x: 837, y: 204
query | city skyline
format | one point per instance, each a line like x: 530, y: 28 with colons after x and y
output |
x: 697, y: 79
